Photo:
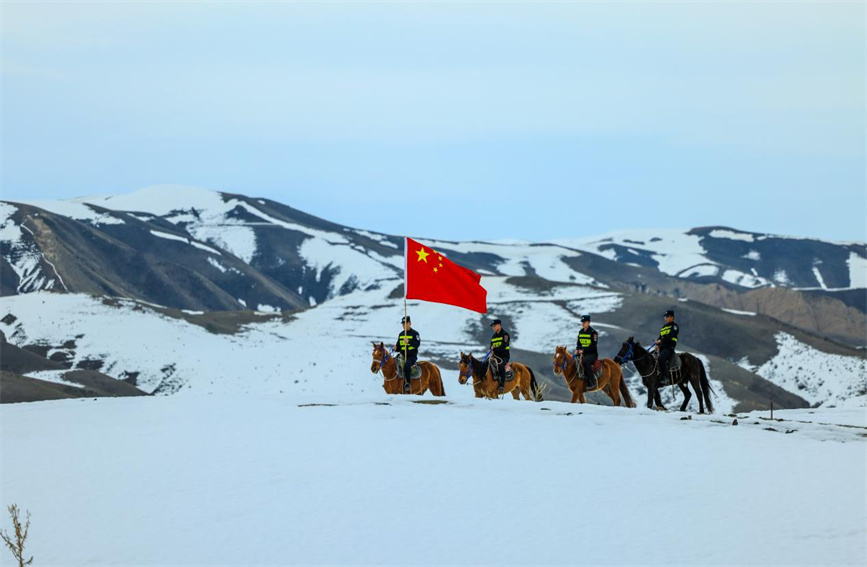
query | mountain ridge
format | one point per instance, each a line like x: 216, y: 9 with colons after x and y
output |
x: 210, y: 252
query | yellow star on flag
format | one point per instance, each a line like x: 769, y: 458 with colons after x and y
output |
x: 422, y: 255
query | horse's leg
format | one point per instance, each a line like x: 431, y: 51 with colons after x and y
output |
x: 686, y: 396
x: 614, y: 390
x: 659, y: 401
x: 516, y: 395
x: 575, y: 396
x: 696, y: 385
x: 525, y: 384
x: 651, y: 394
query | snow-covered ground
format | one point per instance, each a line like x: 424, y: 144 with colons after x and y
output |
x: 250, y: 479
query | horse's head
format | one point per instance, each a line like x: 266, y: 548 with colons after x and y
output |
x: 466, y: 368
x: 380, y: 355
x: 627, y: 351
x: 561, y: 360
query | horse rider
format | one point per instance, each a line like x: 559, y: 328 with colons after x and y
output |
x: 408, y: 342
x: 588, y: 340
x: 500, y: 347
x: 665, y: 344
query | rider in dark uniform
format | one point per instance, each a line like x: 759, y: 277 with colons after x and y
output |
x: 500, y: 347
x: 665, y: 343
x: 588, y: 339
x: 407, y: 344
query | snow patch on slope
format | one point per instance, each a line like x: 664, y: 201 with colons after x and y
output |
x: 24, y: 256
x: 731, y: 235
x: 828, y: 380
x: 857, y: 271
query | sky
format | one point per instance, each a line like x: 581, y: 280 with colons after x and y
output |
x: 457, y: 120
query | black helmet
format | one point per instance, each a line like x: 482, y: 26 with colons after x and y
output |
x: 496, y: 322
x: 585, y: 317
x: 669, y: 313
x: 406, y: 319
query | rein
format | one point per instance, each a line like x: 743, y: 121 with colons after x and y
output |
x: 382, y: 361
x: 629, y: 356
x: 563, y: 367
x: 471, y: 372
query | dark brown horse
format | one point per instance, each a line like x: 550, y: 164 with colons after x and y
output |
x: 611, y: 381
x: 485, y: 385
x: 692, y: 371
x: 430, y: 378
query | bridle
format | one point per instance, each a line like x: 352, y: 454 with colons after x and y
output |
x: 560, y: 369
x: 382, y: 361
x: 629, y: 356
x: 470, y: 371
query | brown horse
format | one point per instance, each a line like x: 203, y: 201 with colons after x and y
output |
x: 611, y: 381
x: 430, y: 378
x: 485, y: 385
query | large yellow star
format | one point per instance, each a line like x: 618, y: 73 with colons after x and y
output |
x: 422, y: 255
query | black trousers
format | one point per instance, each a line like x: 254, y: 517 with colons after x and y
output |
x: 501, y: 371
x: 407, y: 366
x: 589, y: 360
x: 665, y: 355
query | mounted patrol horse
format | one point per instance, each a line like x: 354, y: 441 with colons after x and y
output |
x: 485, y: 385
x: 430, y: 378
x: 610, y: 380
x: 691, y: 371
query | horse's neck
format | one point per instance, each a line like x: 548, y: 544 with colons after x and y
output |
x: 644, y: 361
x: 480, y: 369
x: 570, y: 363
x: 389, y: 368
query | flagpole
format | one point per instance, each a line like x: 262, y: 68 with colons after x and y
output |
x: 405, y: 291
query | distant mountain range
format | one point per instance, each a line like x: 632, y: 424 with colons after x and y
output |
x: 745, y: 300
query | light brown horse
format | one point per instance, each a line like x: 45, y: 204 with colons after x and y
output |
x: 611, y: 381
x: 430, y: 378
x: 485, y: 385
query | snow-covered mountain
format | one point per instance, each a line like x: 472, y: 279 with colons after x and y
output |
x: 269, y: 436
x: 193, y: 275
x: 745, y: 259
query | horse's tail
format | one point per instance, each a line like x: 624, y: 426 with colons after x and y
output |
x: 705, y: 386
x: 534, y: 386
x: 624, y: 392
x: 435, y: 383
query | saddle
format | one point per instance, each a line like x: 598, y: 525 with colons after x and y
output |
x: 675, y: 365
x: 414, y: 373
x: 597, y: 369
x: 495, y: 368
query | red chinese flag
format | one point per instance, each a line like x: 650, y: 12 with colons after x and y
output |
x: 430, y: 276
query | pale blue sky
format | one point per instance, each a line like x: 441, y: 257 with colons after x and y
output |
x: 455, y: 120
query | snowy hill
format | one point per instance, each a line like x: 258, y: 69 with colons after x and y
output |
x: 221, y: 286
x: 268, y: 439
x: 377, y: 480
